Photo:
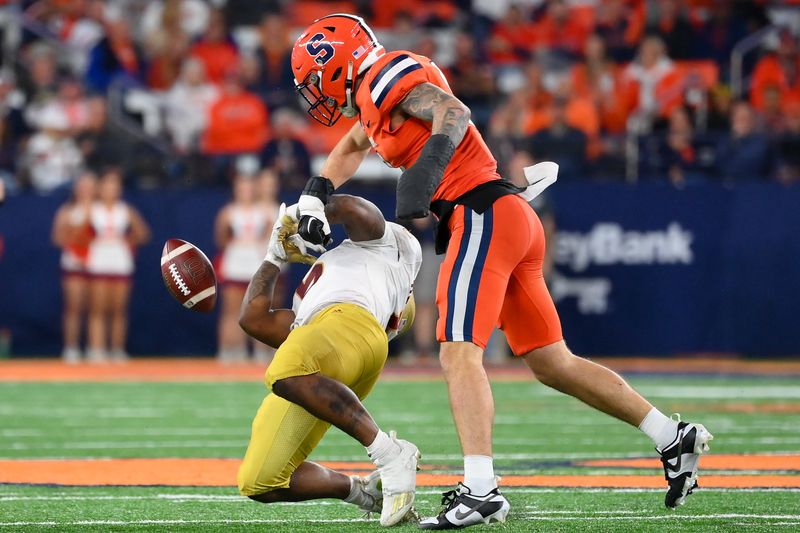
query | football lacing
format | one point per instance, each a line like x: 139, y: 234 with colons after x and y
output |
x: 176, y: 276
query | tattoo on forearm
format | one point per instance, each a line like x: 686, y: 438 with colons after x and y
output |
x: 422, y: 100
x: 454, y: 124
x: 263, y: 282
x: 446, y: 113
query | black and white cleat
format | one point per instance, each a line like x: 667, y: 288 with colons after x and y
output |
x: 462, y: 509
x: 681, y: 459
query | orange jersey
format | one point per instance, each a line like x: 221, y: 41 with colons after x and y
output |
x: 385, y: 85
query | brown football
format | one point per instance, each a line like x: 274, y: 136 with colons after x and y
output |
x: 188, y: 275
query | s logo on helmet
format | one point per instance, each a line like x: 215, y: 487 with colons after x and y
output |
x: 320, y: 49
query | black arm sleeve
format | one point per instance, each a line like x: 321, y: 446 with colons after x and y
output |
x: 418, y: 183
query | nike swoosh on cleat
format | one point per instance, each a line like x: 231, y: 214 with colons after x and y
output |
x: 677, y: 467
x: 495, y: 506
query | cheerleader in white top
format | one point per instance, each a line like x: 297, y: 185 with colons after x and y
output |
x: 241, y: 231
x: 118, y: 230
x: 72, y: 233
x: 268, y: 189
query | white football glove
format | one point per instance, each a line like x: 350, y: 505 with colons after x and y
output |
x: 275, y: 252
x: 284, y: 243
x: 313, y: 226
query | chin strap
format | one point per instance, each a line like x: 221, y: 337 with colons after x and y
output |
x: 319, y: 80
x: 348, y: 109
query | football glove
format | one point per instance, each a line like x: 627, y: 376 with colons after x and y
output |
x: 313, y: 227
x: 284, y: 243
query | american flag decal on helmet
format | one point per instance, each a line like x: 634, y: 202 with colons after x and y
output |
x: 358, y: 51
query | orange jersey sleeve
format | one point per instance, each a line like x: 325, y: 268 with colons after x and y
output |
x: 384, y: 86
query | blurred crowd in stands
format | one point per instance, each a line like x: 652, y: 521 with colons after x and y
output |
x: 184, y: 92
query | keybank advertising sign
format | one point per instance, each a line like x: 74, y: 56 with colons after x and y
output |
x: 641, y: 270
x: 652, y: 270
x: 608, y: 243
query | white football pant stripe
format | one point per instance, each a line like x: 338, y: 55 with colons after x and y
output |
x: 465, y: 274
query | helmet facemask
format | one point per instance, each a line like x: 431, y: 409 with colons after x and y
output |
x: 323, y: 109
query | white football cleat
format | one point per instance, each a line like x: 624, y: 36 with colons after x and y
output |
x: 462, y: 509
x: 399, y: 482
x: 681, y: 459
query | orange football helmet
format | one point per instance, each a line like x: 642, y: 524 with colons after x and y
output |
x: 327, y: 58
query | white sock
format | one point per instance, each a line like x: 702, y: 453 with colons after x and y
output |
x: 660, y: 428
x: 381, y: 448
x: 479, y: 474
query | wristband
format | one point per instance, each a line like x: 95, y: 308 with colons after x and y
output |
x: 319, y: 187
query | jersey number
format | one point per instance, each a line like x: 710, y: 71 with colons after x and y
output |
x: 322, y: 51
x: 311, y: 278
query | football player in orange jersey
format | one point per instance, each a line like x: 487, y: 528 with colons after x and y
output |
x: 494, y: 244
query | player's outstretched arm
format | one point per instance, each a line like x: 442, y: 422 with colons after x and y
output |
x: 257, y: 318
x: 362, y: 220
x: 346, y: 156
x: 341, y: 164
x: 449, y: 120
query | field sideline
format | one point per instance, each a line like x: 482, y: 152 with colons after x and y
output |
x: 154, y: 446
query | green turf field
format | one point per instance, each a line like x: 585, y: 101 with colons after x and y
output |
x: 537, y: 432
x: 192, y: 509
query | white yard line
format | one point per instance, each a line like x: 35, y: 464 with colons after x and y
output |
x: 547, y: 490
x: 534, y: 510
x: 762, y: 440
x: 574, y: 428
x: 181, y: 522
x: 175, y: 498
x: 59, y: 495
x: 135, y: 432
x: 126, y: 445
x: 432, y: 457
x: 528, y: 516
x: 332, y: 446
x: 676, y: 517
x: 239, y: 445
x: 732, y: 391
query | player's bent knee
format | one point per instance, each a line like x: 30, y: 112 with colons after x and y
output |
x: 551, y: 364
x: 460, y: 357
x: 258, y: 487
x: 266, y: 497
x: 256, y: 480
